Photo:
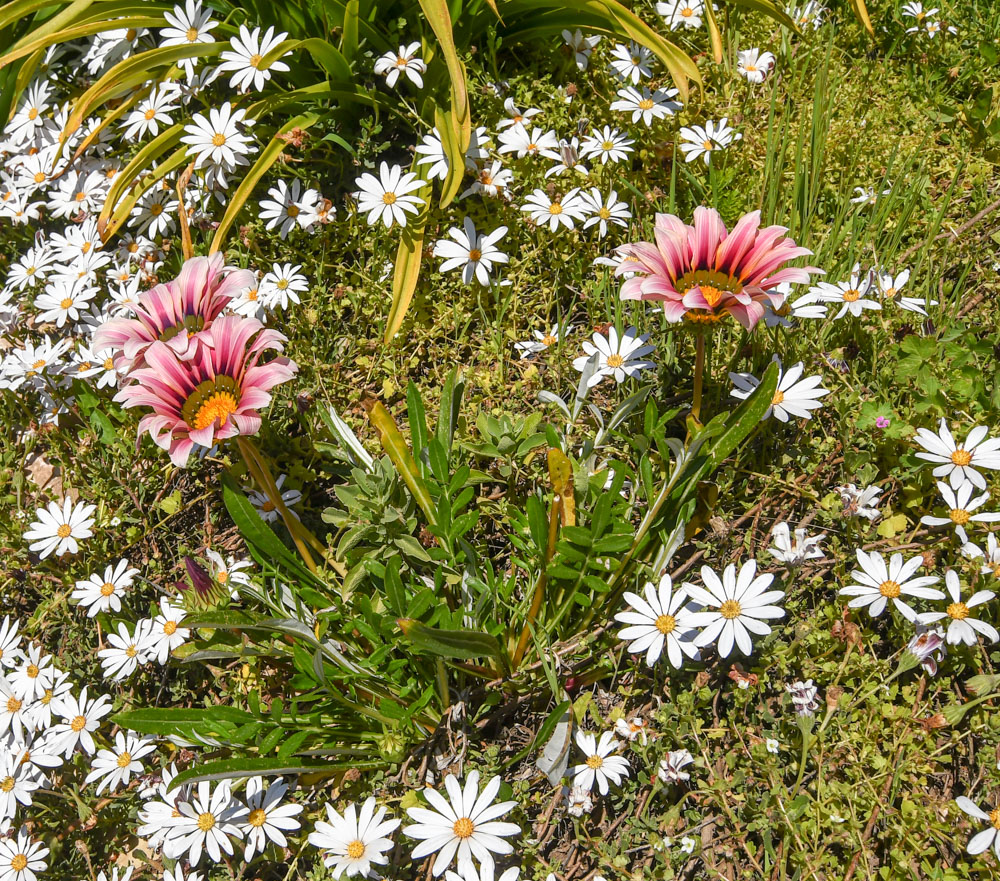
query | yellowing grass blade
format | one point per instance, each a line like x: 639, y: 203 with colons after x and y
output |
x: 407, y: 269
x: 437, y: 14
x: 861, y: 11
x: 450, y: 132
x: 268, y: 156
x: 713, y: 33
x: 36, y: 41
x: 124, y: 208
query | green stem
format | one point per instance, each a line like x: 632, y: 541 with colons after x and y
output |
x: 699, y: 374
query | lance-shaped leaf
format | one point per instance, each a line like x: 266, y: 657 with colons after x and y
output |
x: 455, y: 644
x: 124, y: 208
x: 439, y: 18
x: 407, y: 268
x: 399, y: 454
x: 268, y: 156
x: 561, y: 479
x: 229, y: 769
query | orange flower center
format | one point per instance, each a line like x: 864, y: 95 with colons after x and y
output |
x: 64, y: 530
x: 389, y: 198
x: 255, y: 61
x: 19, y: 863
x: 666, y: 624
x: 170, y: 627
x: 890, y: 589
x: 463, y: 827
x: 995, y: 818
x: 13, y: 704
x: 78, y: 724
x: 124, y: 760
x: 958, y: 611
x: 778, y: 398
x: 549, y: 340
x: 217, y: 407
x: 218, y: 139
x: 292, y: 211
x: 851, y: 295
x: 107, y: 589
x: 730, y: 609
x: 7, y: 784
x: 356, y: 849
x: 646, y: 104
x: 192, y: 34
x: 149, y: 114
x: 961, y: 458
x: 615, y: 360
x: 258, y: 817
x: 594, y: 762
x: 475, y: 254
x: 206, y: 821
x: 959, y: 516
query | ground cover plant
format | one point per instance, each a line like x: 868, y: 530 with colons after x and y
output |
x: 499, y: 440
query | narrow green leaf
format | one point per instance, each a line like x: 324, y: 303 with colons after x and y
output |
x: 231, y: 769
x: 459, y: 644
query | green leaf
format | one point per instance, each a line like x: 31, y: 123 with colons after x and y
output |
x: 461, y: 644
x: 229, y: 769
x: 439, y: 17
x: 257, y: 533
x: 268, y: 156
x: 406, y: 270
x: 181, y: 721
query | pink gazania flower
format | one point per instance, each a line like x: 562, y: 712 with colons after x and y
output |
x: 177, y: 313
x: 211, y: 396
x: 701, y: 272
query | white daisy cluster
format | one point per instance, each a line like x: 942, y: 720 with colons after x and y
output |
x: 926, y: 22
x: 858, y: 293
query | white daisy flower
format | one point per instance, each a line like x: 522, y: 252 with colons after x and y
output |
x: 890, y: 286
x: 961, y: 506
x: 150, y: 113
x: 702, y: 141
x: 188, y: 24
x: 266, y: 508
x: 810, y: 13
x: 21, y: 858
x: 80, y: 717
x: 515, y: 115
x: 244, y: 59
x: 633, y: 729
x: 796, y: 552
x: 603, y: 211
x: 959, y: 462
x: 560, y: 212
x: 878, y: 583
x: 671, y: 765
x: 860, y: 502
x: 33, y: 675
x: 580, y: 46
x: 631, y: 62
x: 289, y: 207
x: 618, y: 357
x: 392, y: 64
x: 62, y: 302
x: 104, y: 594
x: 981, y: 841
x: 542, y: 341
x: 59, y: 529
x: 962, y: 626
x: 518, y: 140
x: 164, y: 633
x: 217, y: 141
x: 267, y: 819
x: 355, y: 842
x: 230, y: 570
x: 852, y: 294
x: 463, y: 827
x: 10, y: 642
x: 794, y: 396
x: 682, y: 13
x: 646, y: 105
x: 658, y: 621
x: 608, y: 144
x: 209, y: 822
x: 282, y: 285
x: 493, y: 180
x: 754, y: 65
x: 475, y: 253
x: 735, y: 607
x: 990, y: 558
x: 17, y: 782
x: 388, y: 197
x: 126, y: 651
x: 599, y: 765
x: 115, y: 767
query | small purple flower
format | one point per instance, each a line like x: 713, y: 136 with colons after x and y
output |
x: 929, y: 647
x: 882, y: 422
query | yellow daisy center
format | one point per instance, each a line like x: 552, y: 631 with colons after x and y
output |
x: 779, y: 396
x: 646, y: 104
x: 475, y: 254
x: 730, y: 609
x: 258, y: 817
x: 615, y: 360
x: 255, y: 60
x: 962, y: 458
x: 170, y: 627
x: 959, y: 516
x: 64, y: 530
x: 594, y: 762
x: 206, y: 821
x: 218, y: 139
x: 32, y: 671
x: 665, y: 624
x: 191, y: 34
x: 19, y: 863
x: 65, y: 302
x: 39, y: 177
x: 156, y: 209
x: 851, y: 295
x: 356, y: 849
x: 706, y: 145
x: 149, y: 114
x: 292, y: 211
x: 608, y: 145
x: 995, y: 818
x: 389, y: 198
x: 890, y: 589
x: 13, y: 704
x: 463, y: 827
x: 78, y: 724
x: 124, y: 760
x: 549, y: 340
x: 958, y: 611
x: 7, y: 784
x: 604, y: 214
x: 555, y: 208
x: 33, y: 113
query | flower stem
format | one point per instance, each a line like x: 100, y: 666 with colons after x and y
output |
x: 261, y: 474
x: 699, y: 374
